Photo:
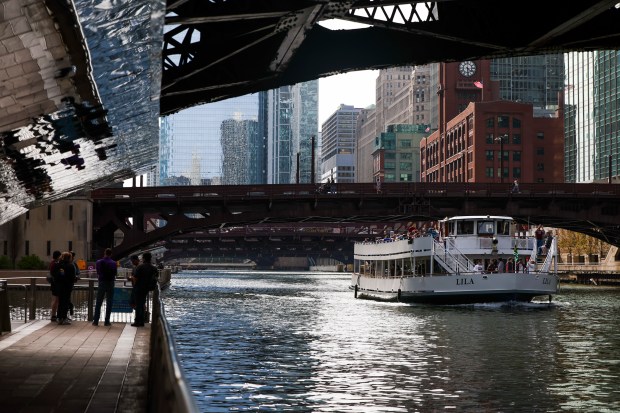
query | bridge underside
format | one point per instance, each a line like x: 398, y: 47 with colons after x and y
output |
x: 221, y: 49
x: 84, y: 83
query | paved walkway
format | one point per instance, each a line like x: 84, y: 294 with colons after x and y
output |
x: 74, y: 368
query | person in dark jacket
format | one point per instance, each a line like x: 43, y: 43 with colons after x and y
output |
x: 106, y: 274
x: 54, y: 267
x: 65, y: 278
x: 144, y: 273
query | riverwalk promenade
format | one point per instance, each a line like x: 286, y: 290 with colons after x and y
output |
x: 46, y: 367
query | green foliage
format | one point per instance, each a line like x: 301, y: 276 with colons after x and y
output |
x: 5, y: 263
x: 31, y: 262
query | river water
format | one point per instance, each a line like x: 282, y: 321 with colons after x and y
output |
x: 300, y: 342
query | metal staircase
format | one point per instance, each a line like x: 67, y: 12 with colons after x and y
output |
x: 452, y: 261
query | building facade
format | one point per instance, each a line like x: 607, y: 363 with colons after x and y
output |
x: 338, y: 145
x: 592, y: 117
x: 496, y: 142
x: 292, y: 128
x: 396, y: 155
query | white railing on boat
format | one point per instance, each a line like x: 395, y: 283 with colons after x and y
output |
x: 452, y: 260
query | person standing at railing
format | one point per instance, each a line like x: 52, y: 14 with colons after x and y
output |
x: 54, y: 268
x: 65, y: 279
x: 135, y: 261
x: 144, y: 273
x: 106, y: 274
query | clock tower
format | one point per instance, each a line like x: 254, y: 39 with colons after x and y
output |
x: 461, y: 83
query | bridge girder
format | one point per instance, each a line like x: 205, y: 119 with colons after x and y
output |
x: 591, y: 209
x: 220, y: 49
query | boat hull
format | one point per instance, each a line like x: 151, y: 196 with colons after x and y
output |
x: 457, y: 289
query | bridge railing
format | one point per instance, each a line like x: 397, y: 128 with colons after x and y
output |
x: 356, y: 189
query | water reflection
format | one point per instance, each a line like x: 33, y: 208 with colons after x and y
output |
x: 301, y: 342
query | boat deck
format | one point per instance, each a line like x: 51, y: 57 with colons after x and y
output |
x: 47, y: 367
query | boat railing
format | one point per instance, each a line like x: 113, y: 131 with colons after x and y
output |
x: 550, y: 256
x: 452, y: 259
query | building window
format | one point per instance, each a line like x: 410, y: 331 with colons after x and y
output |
x: 27, y: 248
x: 516, y: 155
x: 489, y: 172
x: 405, y: 143
x: 516, y: 172
x: 489, y: 155
x: 490, y: 138
x: 505, y: 155
x: 390, y: 155
x: 516, y: 138
x: 406, y: 155
x: 540, y: 151
x: 540, y: 167
x: 516, y: 123
x: 490, y: 123
x: 540, y: 135
x: 503, y: 121
x: 49, y: 248
x: 405, y: 166
x: 540, y: 181
x: 70, y: 212
x: 390, y: 165
x: 49, y: 213
x: 405, y: 177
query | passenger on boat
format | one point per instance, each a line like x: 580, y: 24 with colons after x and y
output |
x: 478, y: 268
x: 510, y: 265
x: 492, y: 267
x: 500, y: 265
x: 531, y: 266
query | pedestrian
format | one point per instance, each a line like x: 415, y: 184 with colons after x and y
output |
x: 76, y: 278
x: 531, y: 266
x: 515, y: 186
x: 65, y: 279
x: 539, y: 234
x: 54, y: 269
x: 144, y: 273
x: 548, y: 242
x: 135, y: 261
x: 106, y: 274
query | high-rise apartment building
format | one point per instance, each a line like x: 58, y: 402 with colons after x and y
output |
x: 292, y: 127
x: 396, y: 155
x: 592, y: 116
x: 338, y: 145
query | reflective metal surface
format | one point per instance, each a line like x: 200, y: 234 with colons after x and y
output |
x: 79, y: 98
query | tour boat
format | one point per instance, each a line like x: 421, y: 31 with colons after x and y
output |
x: 452, y: 266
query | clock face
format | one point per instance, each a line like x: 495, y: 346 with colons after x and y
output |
x: 467, y: 68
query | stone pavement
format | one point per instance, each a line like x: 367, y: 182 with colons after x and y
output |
x: 45, y: 367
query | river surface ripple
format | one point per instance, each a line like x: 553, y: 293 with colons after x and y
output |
x: 300, y: 342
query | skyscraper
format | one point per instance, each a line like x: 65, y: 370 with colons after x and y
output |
x: 292, y: 124
x: 338, y: 145
x: 213, y: 143
x: 592, y: 116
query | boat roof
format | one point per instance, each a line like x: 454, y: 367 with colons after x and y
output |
x: 474, y: 217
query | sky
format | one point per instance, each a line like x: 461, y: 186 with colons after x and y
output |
x: 354, y: 88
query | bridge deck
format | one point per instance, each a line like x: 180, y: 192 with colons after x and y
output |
x: 45, y: 367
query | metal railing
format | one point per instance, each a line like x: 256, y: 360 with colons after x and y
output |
x: 168, y: 390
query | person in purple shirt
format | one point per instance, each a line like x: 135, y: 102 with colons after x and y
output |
x: 106, y: 273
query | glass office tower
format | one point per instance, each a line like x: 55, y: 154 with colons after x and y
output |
x: 215, y: 143
x: 592, y: 116
x: 292, y: 123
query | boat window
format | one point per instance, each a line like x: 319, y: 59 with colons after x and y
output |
x: 503, y: 228
x: 486, y: 227
x: 465, y: 227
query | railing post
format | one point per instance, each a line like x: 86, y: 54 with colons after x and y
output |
x: 32, y: 313
x: 91, y: 298
x: 5, y: 317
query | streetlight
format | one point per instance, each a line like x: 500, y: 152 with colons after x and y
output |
x: 501, y: 156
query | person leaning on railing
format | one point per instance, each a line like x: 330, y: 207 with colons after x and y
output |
x: 106, y: 273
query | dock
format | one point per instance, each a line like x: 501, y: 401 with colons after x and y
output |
x: 74, y: 368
